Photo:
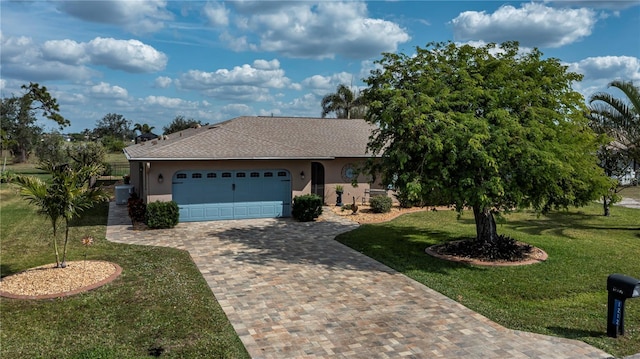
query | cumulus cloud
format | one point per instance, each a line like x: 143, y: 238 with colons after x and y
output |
x: 127, y: 55
x: 308, y: 30
x: 597, y: 4
x: 533, y: 25
x: 67, y: 59
x: 135, y: 16
x: 107, y: 91
x: 217, y: 14
x: 608, y: 68
x: 262, y: 74
x: 321, y: 85
x: 163, y: 82
x: 169, y: 102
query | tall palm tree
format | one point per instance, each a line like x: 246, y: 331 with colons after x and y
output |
x: 619, y: 119
x: 143, y: 128
x: 344, y: 103
x: 64, y: 198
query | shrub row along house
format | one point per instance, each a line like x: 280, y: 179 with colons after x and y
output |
x: 251, y: 167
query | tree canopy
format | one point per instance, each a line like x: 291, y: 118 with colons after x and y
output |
x: 114, y: 125
x: 486, y: 128
x: 180, y: 123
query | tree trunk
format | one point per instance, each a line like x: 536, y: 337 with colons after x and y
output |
x: 486, y: 230
x: 64, y: 248
x: 606, y: 205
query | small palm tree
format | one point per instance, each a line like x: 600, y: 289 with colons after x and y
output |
x: 143, y: 128
x: 344, y: 103
x: 64, y: 198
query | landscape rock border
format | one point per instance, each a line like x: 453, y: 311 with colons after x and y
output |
x: 116, y: 273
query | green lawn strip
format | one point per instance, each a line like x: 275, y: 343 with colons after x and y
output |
x: 565, y: 296
x: 159, y: 304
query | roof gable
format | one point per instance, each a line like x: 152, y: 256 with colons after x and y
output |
x: 260, y: 138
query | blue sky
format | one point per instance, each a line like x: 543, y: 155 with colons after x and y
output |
x: 212, y: 61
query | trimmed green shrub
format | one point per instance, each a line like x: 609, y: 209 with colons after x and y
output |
x: 137, y: 209
x: 380, y: 204
x: 162, y: 214
x: 307, y: 207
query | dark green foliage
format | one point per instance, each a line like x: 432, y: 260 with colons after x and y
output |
x: 50, y: 149
x: 180, y: 123
x: 137, y: 209
x: 307, y: 207
x: 114, y: 125
x: 483, y: 129
x: 380, y: 204
x: 162, y: 214
x: 112, y: 144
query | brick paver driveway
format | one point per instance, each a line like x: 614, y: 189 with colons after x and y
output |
x: 291, y: 291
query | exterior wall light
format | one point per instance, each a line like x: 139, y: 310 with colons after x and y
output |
x: 302, y: 175
x: 160, y: 178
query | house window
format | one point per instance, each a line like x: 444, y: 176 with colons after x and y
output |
x: 255, y: 174
x: 241, y: 174
x: 282, y: 174
x: 211, y: 175
x: 182, y: 175
x: 196, y: 175
x: 268, y: 174
x: 226, y: 174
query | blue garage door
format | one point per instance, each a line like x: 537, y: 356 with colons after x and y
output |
x: 214, y: 195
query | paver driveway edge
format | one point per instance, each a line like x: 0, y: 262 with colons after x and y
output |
x: 291, y: 291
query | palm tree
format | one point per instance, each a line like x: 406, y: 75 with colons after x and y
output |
x: 620, y: 120
x: 344, y: 103
x: 64, y: 198
x: 144, y: 128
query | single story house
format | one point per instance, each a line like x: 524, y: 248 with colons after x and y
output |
x: 251, y: 167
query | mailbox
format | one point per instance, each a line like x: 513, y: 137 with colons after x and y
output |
x: 620, y: 287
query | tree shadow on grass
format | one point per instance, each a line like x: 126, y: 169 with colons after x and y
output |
x: 574, y: 333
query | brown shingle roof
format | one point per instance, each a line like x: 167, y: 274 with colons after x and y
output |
x: 261, y: 138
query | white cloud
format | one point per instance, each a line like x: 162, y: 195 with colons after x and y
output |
x: 105, y: 90
x: 322, y: 85
x: 314, y: 30
x: 126, y: 55
x: 135, y: 16
x: 239, y: 93
x: 608, y: 68
x: 66, y: 51
x: 169, y: 102
x: 217, y: 14
x: 533, y: 25
x: 597, y: 4
x: 262, y: 74
x: 163, y: 82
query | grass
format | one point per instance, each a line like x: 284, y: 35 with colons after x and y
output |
x: 159, y: 306
x: 565, y: 296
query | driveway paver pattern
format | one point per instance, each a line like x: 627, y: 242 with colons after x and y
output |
x: 291, y: 291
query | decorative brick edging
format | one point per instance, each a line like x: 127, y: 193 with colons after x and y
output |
x: 109, y: 279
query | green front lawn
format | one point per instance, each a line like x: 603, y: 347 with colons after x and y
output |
x: 565, y: 296
x: 160, y: 305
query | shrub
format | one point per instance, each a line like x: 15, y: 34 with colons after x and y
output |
x: 380, y: 204
x: 137, y: 209
x: 307, y: 207
x: 162, y: 214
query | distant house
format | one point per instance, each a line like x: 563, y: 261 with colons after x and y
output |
x: 148, y: 136
x: 251, y: 167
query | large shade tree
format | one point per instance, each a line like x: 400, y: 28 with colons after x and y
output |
x: 344, y: 103
x: 485, y: 128
x: 180, y: 123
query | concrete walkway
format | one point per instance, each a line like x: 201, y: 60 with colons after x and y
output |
x: 291, y: 291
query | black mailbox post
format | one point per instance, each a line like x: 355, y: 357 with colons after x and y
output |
x: 620, y: 288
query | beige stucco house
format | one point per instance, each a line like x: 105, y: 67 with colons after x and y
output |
x: 251, y: 167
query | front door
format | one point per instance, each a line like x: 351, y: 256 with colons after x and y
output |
x: 317, y: 179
